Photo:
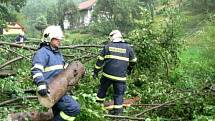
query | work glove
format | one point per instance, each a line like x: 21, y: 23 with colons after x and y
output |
x: 42, y: 88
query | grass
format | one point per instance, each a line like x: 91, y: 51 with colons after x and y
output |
x: 197, y: 59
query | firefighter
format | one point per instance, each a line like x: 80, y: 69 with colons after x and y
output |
x: 47, y: 63
x: 116, y: 60
x: 20, y: 38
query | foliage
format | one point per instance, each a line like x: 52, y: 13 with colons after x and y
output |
x: 41, y: 23
x: 18, y: 4
x: 7, y: 8
x: 201, y: 5
x: 114, y: 14
x: 64, y: 8
x: 33, y: 10
x: 158, y: 49
x: 173, y: 65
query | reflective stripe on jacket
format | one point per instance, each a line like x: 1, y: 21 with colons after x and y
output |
x: 114, y: 59
x: 46, y: 64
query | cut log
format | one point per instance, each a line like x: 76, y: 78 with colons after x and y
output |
x: 31, y: 116
x: 126, y: 103
x: 61, y: 83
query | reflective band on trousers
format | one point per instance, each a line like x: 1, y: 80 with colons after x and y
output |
x: 100, y: 99
x: 110, y: 107
x: 117, y: 106
x: 114, y: 77
x: 117, y: 57
x: 66, y: 117
x: 37, y: 75
x: 133, y: 60
x: 97, y: 67
x: 42, y: 87
x: 52, y: 68
x: 100, y: 57
x: 38, y: 66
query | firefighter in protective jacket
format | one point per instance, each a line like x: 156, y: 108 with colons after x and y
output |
x: 116, y: 60
x: 47, y: 63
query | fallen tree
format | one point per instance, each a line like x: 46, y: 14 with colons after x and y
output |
x: 31, y: 116
x: 126, y: 103
x: 62, y: 47
x: 61, y: 83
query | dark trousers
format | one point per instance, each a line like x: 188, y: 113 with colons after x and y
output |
x: 66, y: 104
x: 119, y: 88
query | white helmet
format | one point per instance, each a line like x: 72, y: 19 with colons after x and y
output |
x: 115, y: 34
x: 52, y: 32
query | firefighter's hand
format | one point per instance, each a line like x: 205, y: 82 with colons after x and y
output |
x: 95, y: 73
x: 42, y: 89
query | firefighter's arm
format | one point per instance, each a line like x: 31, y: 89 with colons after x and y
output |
x: 99, y: 64
x: 132, y: 61
x: 39, y: 61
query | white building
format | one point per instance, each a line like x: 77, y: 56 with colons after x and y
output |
x: 86, y: 10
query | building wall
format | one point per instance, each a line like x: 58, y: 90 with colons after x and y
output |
x: 13, y: 28
x: 12, y: 31
x: 85, y: 18
x: 66, y: 24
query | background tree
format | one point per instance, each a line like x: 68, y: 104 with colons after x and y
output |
x: 41, y: 23
x: 8, y: 8
x: 64, y: 9
x: 114, y: 14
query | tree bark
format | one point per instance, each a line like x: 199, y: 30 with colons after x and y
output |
x: 61, y: 47
x: 126, y: 103
x: 61, y: 83
x: 31, y: 116
x: 18, y: 45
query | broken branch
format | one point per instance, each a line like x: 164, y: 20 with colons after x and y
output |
x: 79, y: 46
x: 18, y: 46
x: 10, y: 61
x: 62, y: 47
x: 17, y: 54
x: 166, y: 103
x: 19, y: 98
x: 124, y: 117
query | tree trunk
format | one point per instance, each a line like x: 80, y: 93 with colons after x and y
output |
x: 31, y: 116
x: 61, y: 83
x: 126, y: 103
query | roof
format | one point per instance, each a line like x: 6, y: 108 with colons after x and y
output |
x: 15, y: 26
x: 86, y: 5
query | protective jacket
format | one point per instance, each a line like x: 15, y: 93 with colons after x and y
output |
x: 114, y: 59
x: 46, y: 64
x: 20, y: 38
